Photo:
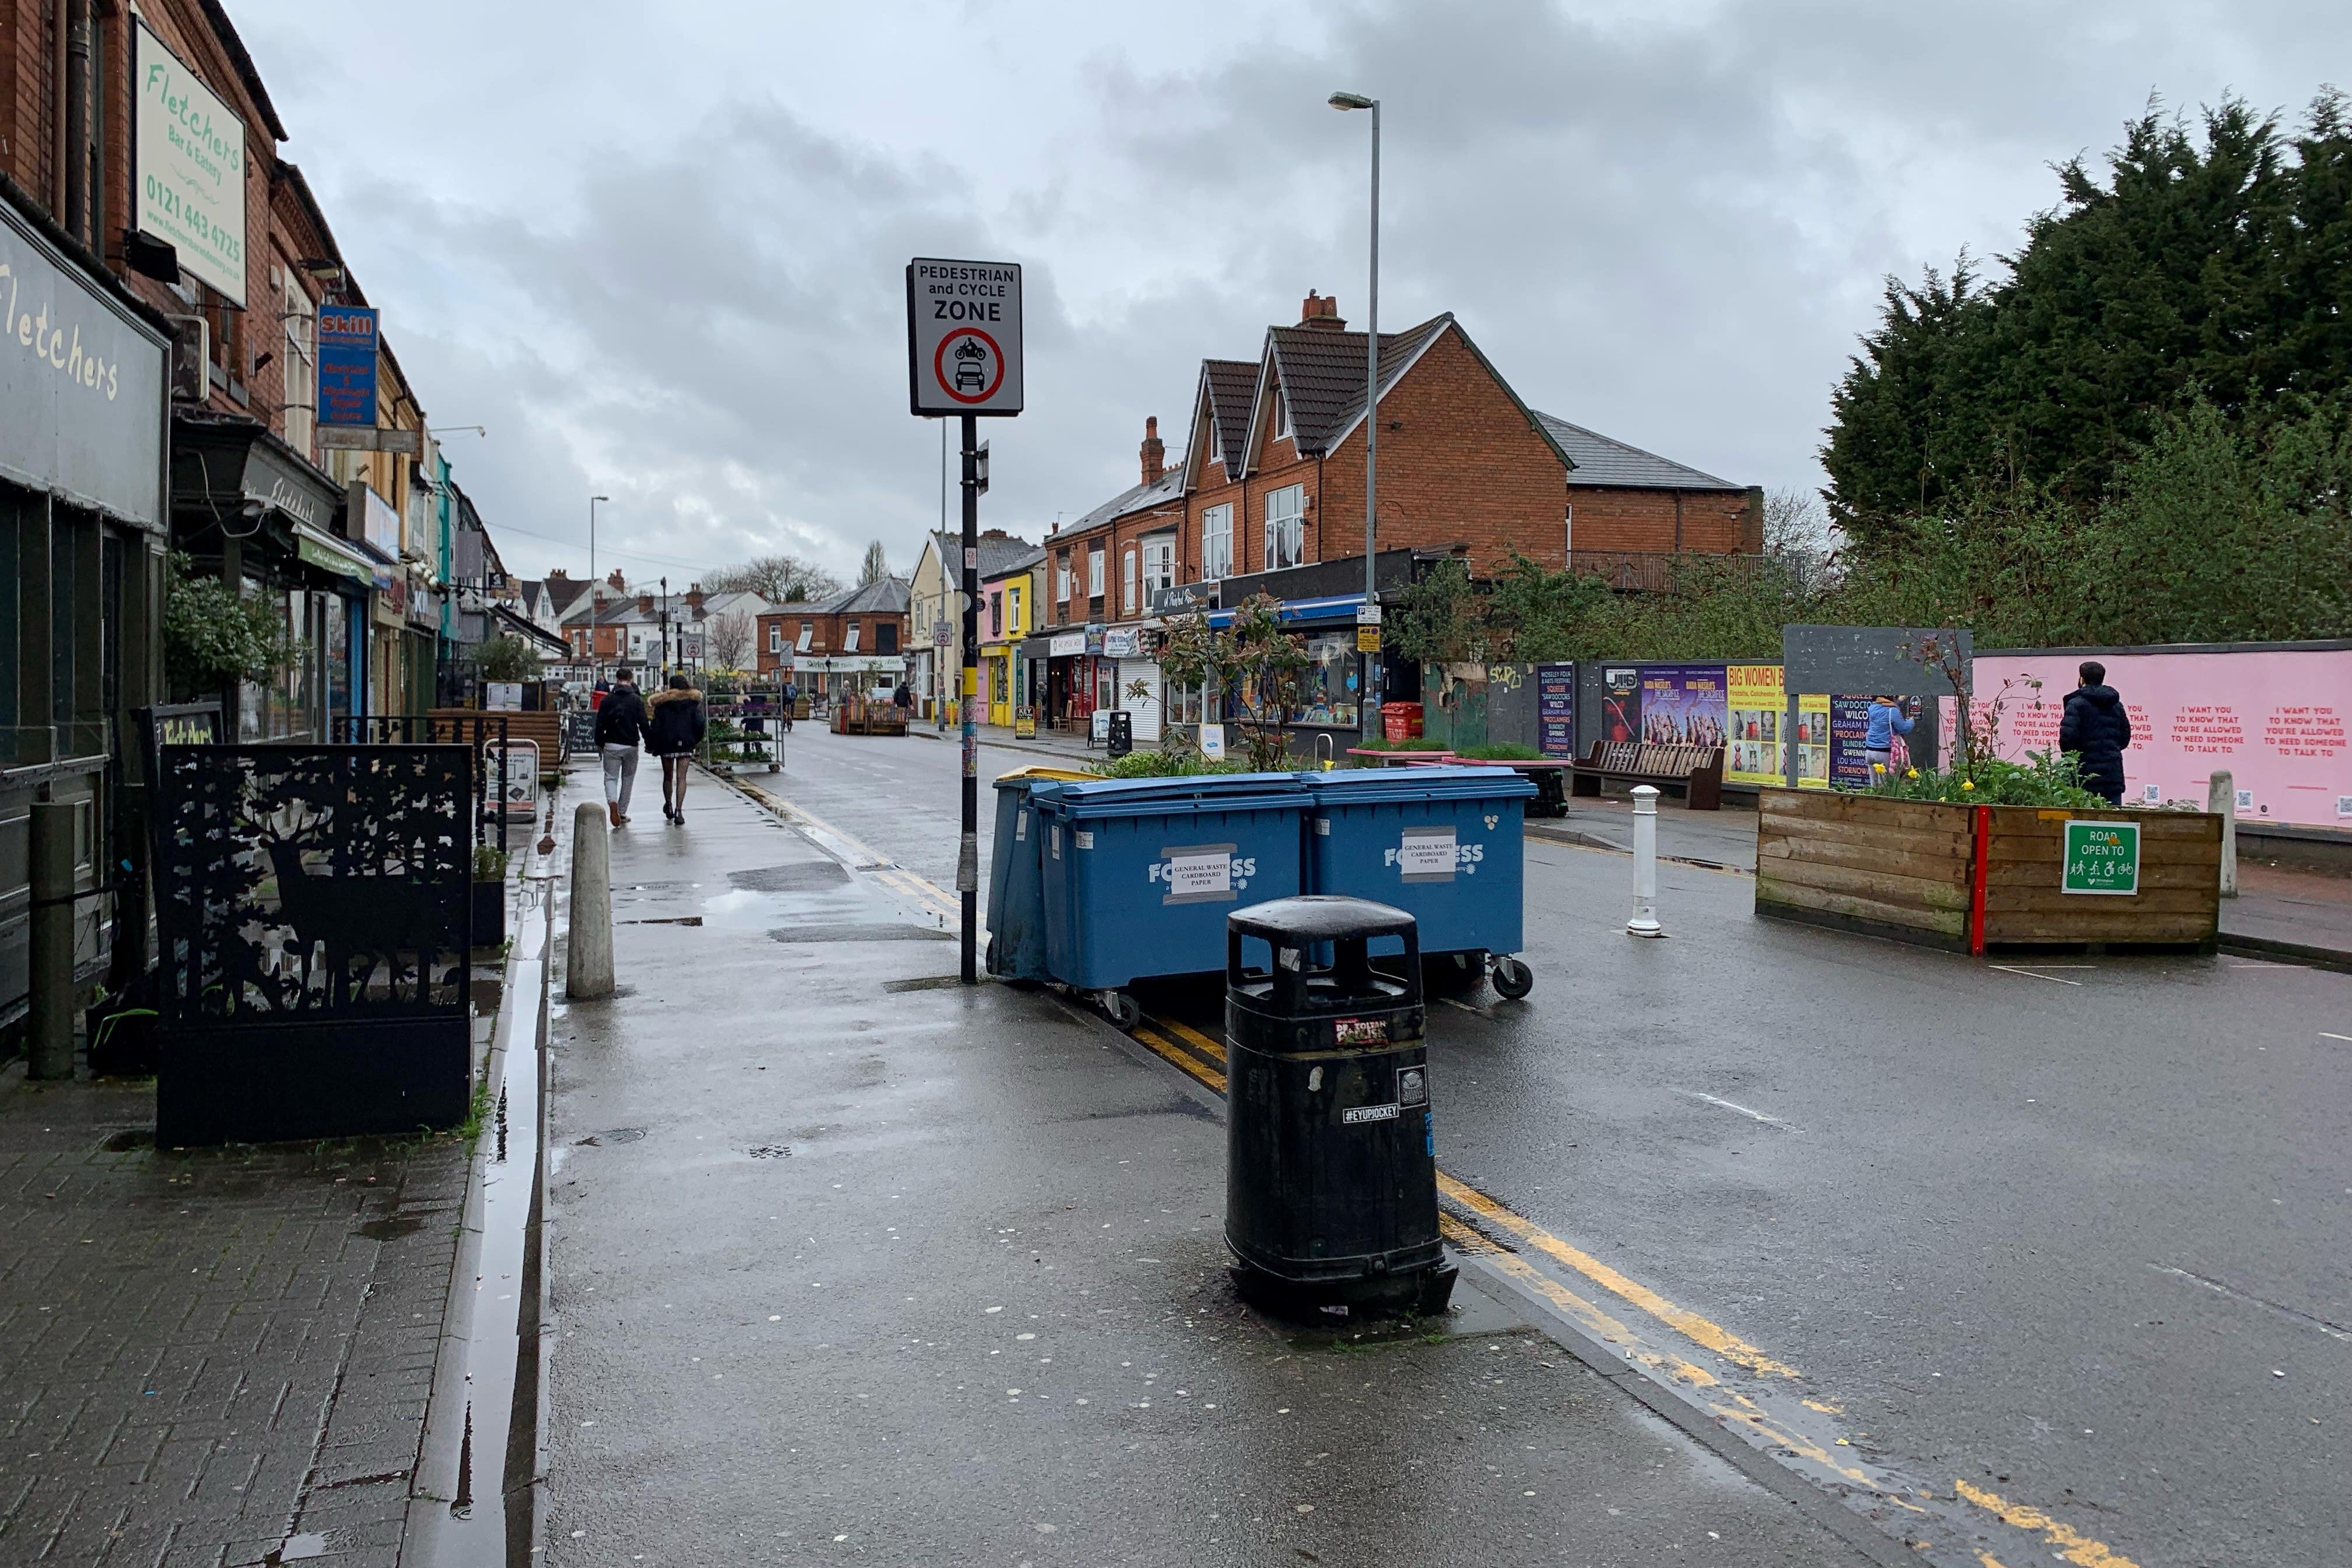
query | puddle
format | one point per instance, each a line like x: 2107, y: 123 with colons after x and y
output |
x: 803, y: 877
x: 391, y: 1225
x: 862, y: 934
x: 295, y: 1548
x: 610, y: 1135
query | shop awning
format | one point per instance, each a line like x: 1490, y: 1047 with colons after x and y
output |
x: 525, y: 627
x: 324, y: 551
x: 1341, y: 608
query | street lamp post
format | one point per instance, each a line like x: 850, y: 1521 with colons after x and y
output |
x: 1369, y: 682
x: 595, y: 585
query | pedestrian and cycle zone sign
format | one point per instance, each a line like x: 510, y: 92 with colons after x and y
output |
x: 963, y: 336
x: 2101, y: 857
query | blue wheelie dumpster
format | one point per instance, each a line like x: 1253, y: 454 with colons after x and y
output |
x: 1016, y: 889
x: 1139, y: 874
x: 1443, y: 843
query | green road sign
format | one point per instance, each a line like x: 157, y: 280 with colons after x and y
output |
x: 2101, y: 857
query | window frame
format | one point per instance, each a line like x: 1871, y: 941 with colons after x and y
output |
x: 1292, y: 527
x: 1217, y: 524
x: 1094, y: 572
x: 1127, y: 581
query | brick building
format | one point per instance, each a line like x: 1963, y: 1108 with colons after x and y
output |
x: 1268, y: 496
x: 854, y: 642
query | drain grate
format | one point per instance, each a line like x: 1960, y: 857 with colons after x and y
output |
x: 610, y: 1135
x: 772, y: 1152
x: 126, y: 1139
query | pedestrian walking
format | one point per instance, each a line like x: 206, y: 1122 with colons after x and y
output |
x: 620, y: 731
x: 1886, y: 721
x: 904, y: 698
x: 674, y: 727
x: 2094, y: 732
x: 792, y: 696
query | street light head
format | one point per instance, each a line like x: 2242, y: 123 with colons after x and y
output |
x: 600, y: 498
x: 1344, y: 100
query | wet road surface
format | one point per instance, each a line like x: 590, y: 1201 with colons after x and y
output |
x: 2064, y: 1243
x: 848, y: 1264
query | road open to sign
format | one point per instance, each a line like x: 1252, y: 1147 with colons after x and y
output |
x: 963, y: 336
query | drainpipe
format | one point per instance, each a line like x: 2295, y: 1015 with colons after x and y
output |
x: 76, y: 216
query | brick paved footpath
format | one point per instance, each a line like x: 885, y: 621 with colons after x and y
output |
x: 217, y: 1357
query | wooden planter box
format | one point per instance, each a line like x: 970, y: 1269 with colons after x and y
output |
x: 1973, y: 878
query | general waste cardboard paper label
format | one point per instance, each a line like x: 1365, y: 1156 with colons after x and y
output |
x: 1427, y: 854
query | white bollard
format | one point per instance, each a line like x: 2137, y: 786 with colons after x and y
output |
x: 588, y: 962
x: 1645, y: 864
x: 2221, y: 796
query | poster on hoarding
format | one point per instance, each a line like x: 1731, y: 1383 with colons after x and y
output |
x: 1813, y: 740
x: 1683, y: 704
x: 1621, y: 704
x: 1756, y: 702
x: 2276, y: 719
x: 1849, y: 728
x: 1555, y: 710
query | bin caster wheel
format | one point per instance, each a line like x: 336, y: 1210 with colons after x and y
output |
x: 1124, y: 1010
x: 1513, y: 979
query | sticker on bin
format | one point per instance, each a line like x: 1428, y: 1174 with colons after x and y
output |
x: 1413, y: 1086
x: 1431, y: 854
x: 1356, y: 1113
x: 1085, y: 836
x: 1361, y: 1031
x: 1202, y: 873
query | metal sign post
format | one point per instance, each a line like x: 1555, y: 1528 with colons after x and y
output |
x: 963, y: 358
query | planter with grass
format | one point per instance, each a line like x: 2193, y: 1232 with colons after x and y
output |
x: 2058, y: 869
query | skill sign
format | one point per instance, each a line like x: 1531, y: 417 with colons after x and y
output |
x: 963, y: 336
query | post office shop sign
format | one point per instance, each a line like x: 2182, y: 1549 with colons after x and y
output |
x: 963, y: 336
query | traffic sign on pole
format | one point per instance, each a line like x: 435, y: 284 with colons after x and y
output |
x: 963, y: 337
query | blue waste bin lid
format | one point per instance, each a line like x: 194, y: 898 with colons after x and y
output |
x: 1170, y: 796
x: 1376, y: 786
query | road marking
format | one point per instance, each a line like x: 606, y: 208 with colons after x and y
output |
x: 2325, y: 1036
x: 1744, y: 1110
x: 1687, y: 1323
x: 1177, y: 1054
x: 2054, y: 979
x: 2073, y: 1546
x: 2333, y: 1331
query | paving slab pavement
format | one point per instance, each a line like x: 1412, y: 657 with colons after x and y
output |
x: 848, y: 1261
x: 210, y: 1357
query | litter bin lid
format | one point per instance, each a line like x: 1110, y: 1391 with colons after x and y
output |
x: 1373, y: 787
x: 1171, y: 796
x: 1318, y: 917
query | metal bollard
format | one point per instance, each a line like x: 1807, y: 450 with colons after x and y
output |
x: 1645, y: 864
x: 2221, y: 796
x: 50, y: 1049
x: 588, y: 962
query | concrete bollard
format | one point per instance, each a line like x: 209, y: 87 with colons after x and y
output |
x: 49, y: 1049
x: 1645, y: 864
x: 588, y: 963
x: 2221, y: 796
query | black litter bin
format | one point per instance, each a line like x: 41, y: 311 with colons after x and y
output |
x: 1331, y: 1169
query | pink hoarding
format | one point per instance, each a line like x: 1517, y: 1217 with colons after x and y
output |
x: 2277, y: 720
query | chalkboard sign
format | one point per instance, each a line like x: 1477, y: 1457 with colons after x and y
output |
x: 584, y: 730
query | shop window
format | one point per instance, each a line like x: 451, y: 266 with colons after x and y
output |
x: 996, y: 614
x: 1328, y: 686
x: 1216, y: 542
x: 1286, y: 527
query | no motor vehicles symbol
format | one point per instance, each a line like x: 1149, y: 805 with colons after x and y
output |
x: 967, y: 365
x: 963, y: 337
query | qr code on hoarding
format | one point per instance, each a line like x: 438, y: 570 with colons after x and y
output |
x: 2344, y: 805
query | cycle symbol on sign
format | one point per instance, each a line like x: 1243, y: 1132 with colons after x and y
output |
x: 969, y: 366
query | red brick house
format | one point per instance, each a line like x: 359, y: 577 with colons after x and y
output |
x: 856, y: 641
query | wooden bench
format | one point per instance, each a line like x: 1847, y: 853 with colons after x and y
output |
x: 1696, y: 771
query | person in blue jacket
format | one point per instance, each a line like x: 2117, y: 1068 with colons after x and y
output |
x: 1886, y: 721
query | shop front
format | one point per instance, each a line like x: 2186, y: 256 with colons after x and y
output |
x: 83, y: 520
x: 996, y: 661
x: 248, y: 508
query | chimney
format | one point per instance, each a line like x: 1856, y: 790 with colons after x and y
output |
x: 694, y: 601
x: 557, y: 574
x: 645, y: 604
x: 1155, y: 454
x: 1321, y: 311
x: 617, y: 582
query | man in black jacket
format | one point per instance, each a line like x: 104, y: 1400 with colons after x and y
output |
x: 2096, y: 729
x: 620, y: 730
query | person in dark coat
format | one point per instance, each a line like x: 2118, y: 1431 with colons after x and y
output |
x: 620, y: 730
x: 2095, y: 731
x: 674, y: 727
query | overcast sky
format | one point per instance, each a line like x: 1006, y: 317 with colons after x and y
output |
x: 657, y: 250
